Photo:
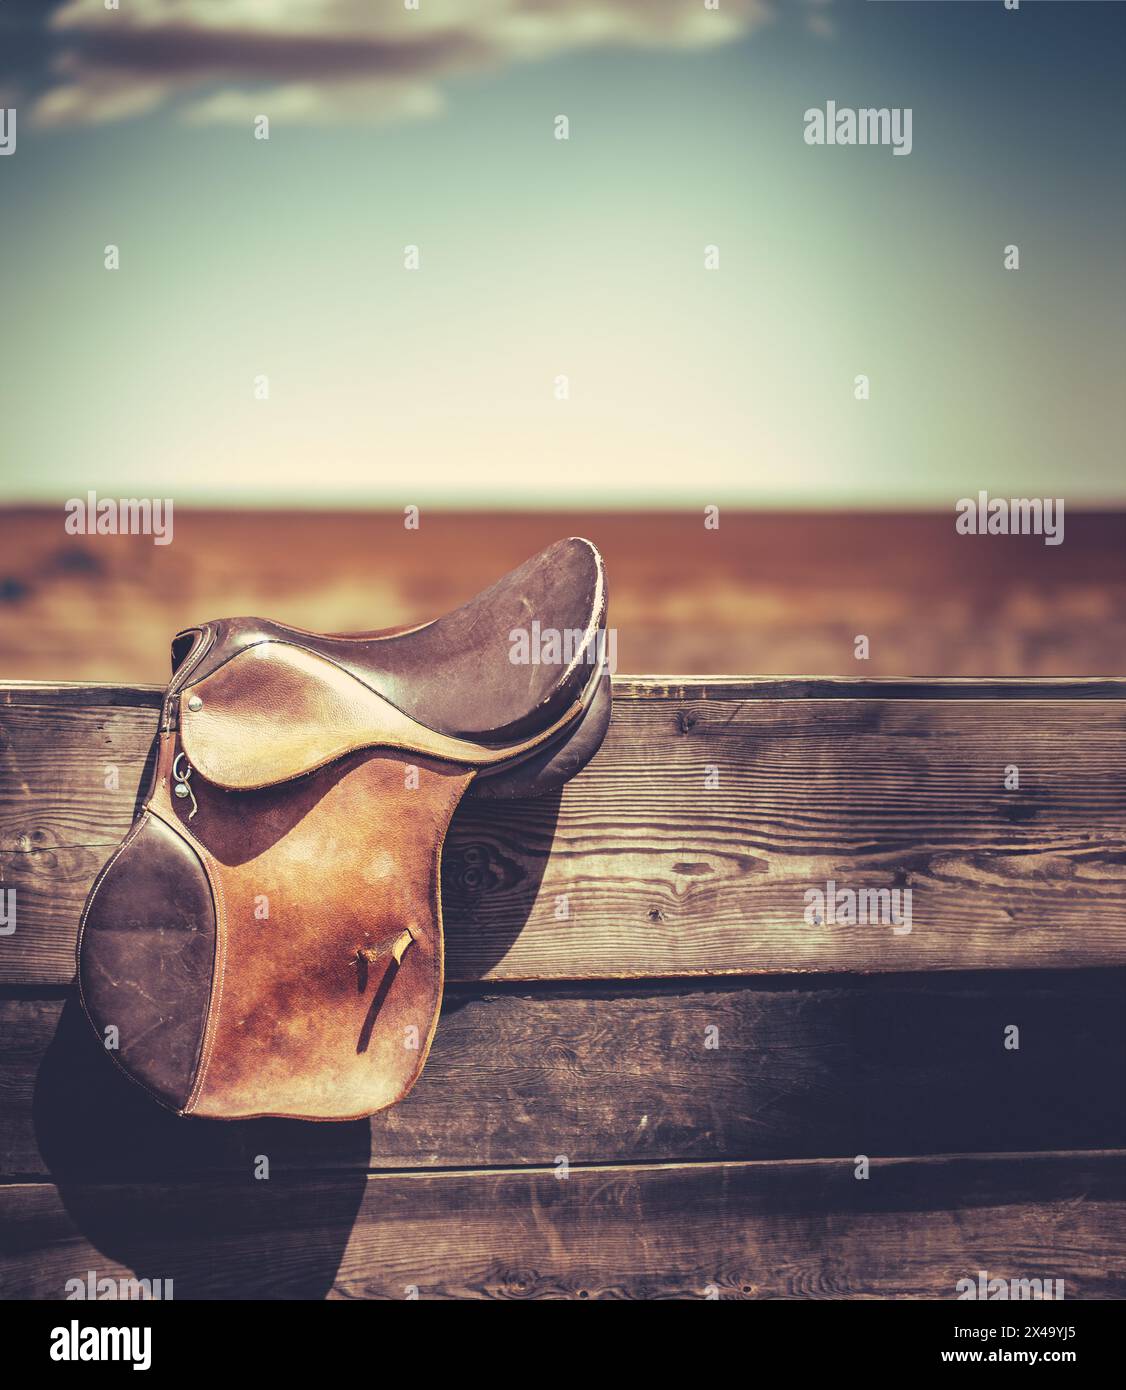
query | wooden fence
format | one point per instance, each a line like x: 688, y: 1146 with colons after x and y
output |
x: 658, y: 1070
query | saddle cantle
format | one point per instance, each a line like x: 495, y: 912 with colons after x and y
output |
x: 267, y: 940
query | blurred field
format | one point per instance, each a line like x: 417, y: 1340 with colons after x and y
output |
x: 768, y: 593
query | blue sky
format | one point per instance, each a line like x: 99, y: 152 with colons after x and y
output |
x: 545, y: 262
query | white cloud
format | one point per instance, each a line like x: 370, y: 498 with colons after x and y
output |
x: 312, y: 103
x: 313, y: 61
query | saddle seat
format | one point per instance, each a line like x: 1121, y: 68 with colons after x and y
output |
x: 268, y: 938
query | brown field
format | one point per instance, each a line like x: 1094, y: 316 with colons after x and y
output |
x: 768, y: 593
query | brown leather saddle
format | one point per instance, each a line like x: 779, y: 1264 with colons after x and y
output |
x: 267, y: 940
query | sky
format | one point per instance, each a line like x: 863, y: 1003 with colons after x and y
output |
x: 555, y: 268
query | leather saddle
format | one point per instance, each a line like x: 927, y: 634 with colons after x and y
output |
x: 267, y: 940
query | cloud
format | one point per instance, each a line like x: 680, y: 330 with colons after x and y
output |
x: 311, y: 61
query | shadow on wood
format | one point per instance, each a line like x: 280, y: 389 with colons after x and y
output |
x: 490, y: 885
x: 91, y: 1120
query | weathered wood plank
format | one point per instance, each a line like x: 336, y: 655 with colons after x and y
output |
x: 912, y: 1229
x: 687, y: 846
x: 884, y: 1065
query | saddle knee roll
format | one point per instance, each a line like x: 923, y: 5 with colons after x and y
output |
x: 146, y: 958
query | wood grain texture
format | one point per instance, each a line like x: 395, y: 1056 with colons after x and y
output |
x: 644, y: 1074
x: 662, y: 873
x: 912, y: 1229
x: 768, y: 591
